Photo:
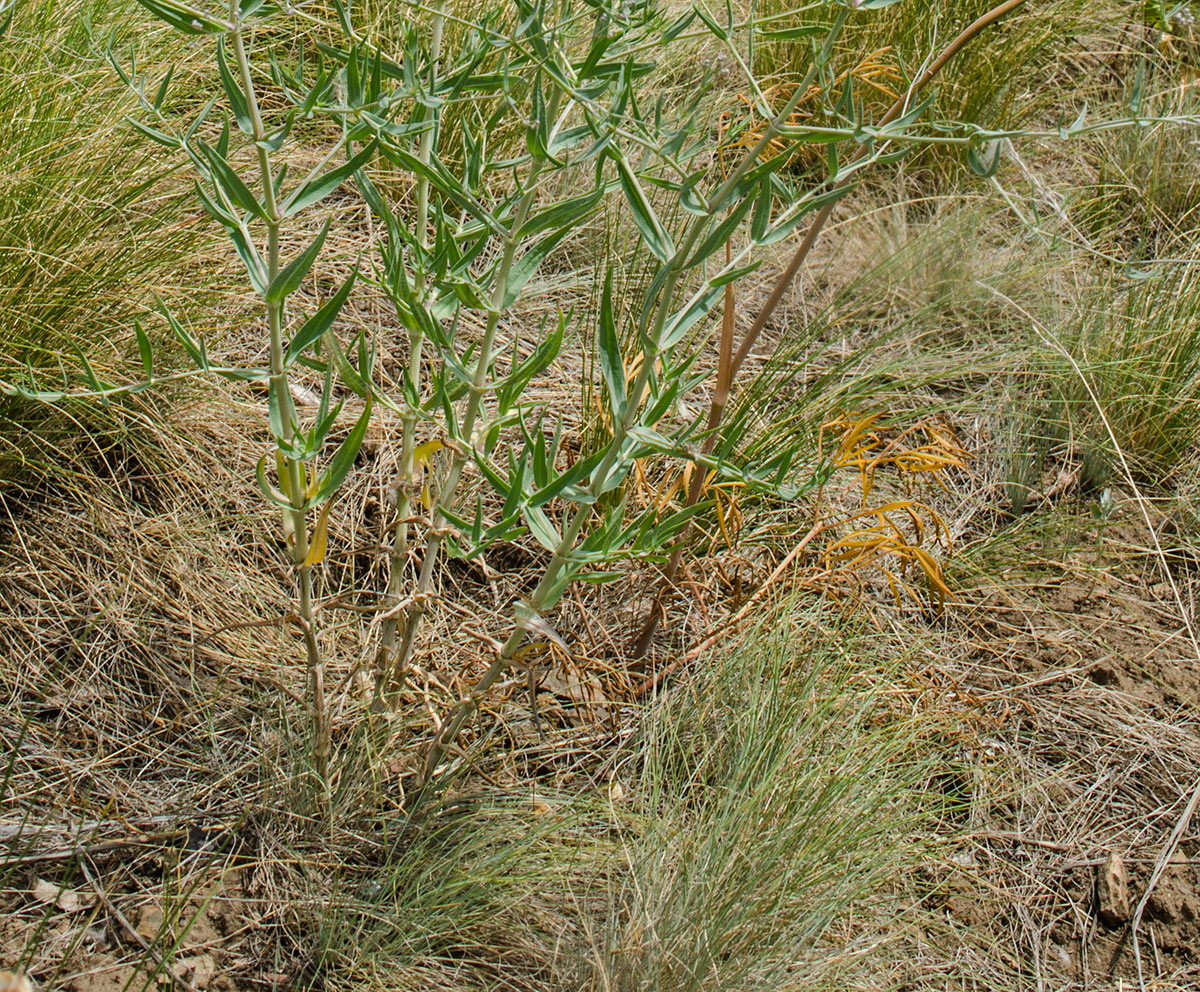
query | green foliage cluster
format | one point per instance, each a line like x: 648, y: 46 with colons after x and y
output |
x: 572, y: 80
x: 572, y: 77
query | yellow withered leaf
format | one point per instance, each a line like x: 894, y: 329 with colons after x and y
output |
x: 320, y: 538
x: 423, y: 452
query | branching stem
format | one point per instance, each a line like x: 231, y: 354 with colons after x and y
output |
x: 295, y: 519
x: 552, y: 580
x: 729, y: 368
x: 388, y: 666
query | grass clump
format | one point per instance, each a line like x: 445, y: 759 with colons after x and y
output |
x: 92, y: 233
x: 1135, y: 382
x: 732, y: 844
x: 775, y: 793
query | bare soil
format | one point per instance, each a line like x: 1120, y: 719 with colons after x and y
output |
x: 1083, y: 683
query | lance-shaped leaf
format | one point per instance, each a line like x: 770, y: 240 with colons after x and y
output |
x: 183, y: 17
x: 317, y: 189
x: 541, y: 528
x: 787, y: 34
x: 320, y: 538
x: 612, y: 364
x: 570, y: 211
x: 89, y: 374
x: 652, y: 231
x: 278, y: 408
x: 977, y: 159
x: 564, y: 483
x: 167, y: 140
x: 237, y: 99
x: 442, y: 180
x: 678, y: 27
x: 319, y: 322
x: 785, y: 227
x: 195, y: 349
x: 762, y: 211
x: 524, y: 268
x: 346, y: 372
x: 343, y: 459
x: 144, y: 346
x: 288, y: 281
x: 501, y: 485
x: 721, y: 233
x: 231, y: 183
x: 276, y: 496
x: 37, y: 395
x: 163, y: 87
x: 511, y: 387
x: 684, y: 320
x: 250, y: 257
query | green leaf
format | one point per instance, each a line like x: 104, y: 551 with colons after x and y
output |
x: 784, y: 228
x: 194, y: 349
x: 762, y: 211
x: 319, y: 322
x: 237, y: 99
x: 524, y: 268
x: 541, y: 528
x: 612, y: 365
x: 37, y: 395
x: 274, y: 141
x: 250, y: 258
x: 644, y: 217
x: 509, y: 389
x: 231, y: 183
x: 598, y: 578
x: 186, y: 18
x: 441, y: 179
x: 319, y: 188
x: 160, y: 137
x: 277, y: 403
x: 88, y: 372
x: 287, y: 281
x: 678, y: 27
x: 683, y: 321
x: 269, y: 491
x: 144, y: 346
x: 712, y: 25
x: 501, y: 485
x: 343, y: 458
x: 977, y: 160
x: 570, y: 211
x: 161, y: 95
x: 576, y: 473
x: 786, y: 34
x: 733, y: 275
x: 346, y: 371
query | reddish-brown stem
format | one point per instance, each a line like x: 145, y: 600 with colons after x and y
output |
x: 727, y: 370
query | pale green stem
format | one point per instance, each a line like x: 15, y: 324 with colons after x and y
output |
x: 478, y: 388
x: 296, y: 520
x: 637, y: 394
x: 385, y: 660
